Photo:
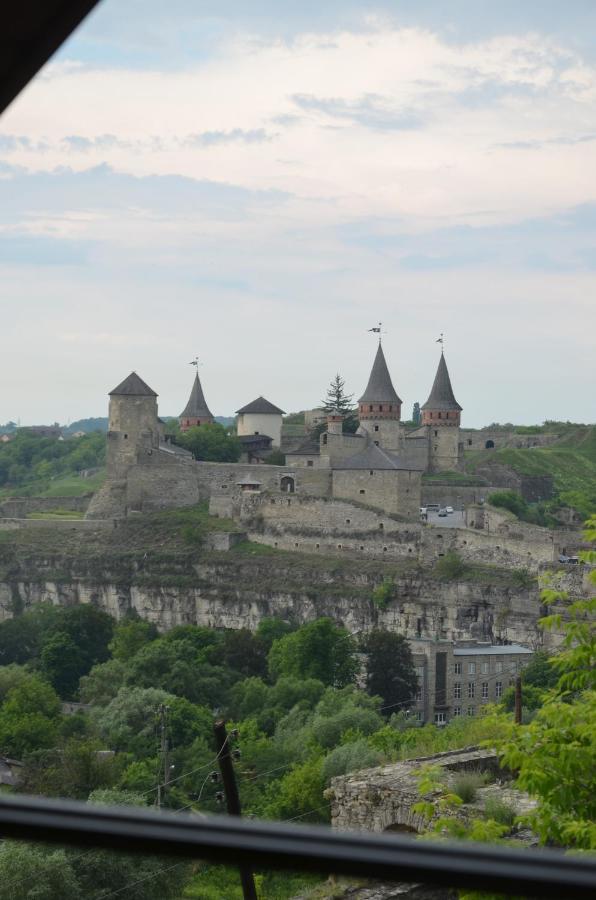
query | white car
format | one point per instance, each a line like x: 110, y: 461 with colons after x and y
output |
x: 449, y: 509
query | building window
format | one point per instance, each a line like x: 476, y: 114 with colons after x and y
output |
x: 440, y: 718
x: 498, y: 668
x: 485, y: 690
x: 376, y: 443
x: 457, y: 691
x: 484, y: 668
x: 370, y: 408
x: 456, y: 711
x: 469, y: 442
x: 390, y: 408
x: 418, y: 694
x: 376, y: 427
x: 362, y: 491
x: 436, y: 433
x: 381, y: 526
x: 380, y: 408
x: 418, y: 715
x: 309, y: 463
x: 471, y: 711
x: 471, y: 668
x: 498, y: 689
x: 439, y: 415
x: 471, y: 690
x: 125, y: 437
x: 371, y: 472
x: 348, y: 521
x: 457, y: 668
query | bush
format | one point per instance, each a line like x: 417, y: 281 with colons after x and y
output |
x: 450, y: 566
x: 500, y: 812
x: 384, y: 593
x: 467, y: 784
x: 350, y: 758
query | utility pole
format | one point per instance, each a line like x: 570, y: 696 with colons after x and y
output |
x: 518, y: 700
x: 228, y: 777
x: 164, y: 767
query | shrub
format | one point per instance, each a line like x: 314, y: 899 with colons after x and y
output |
x: 467, y: 784
x: 384, y: 593
x: 450, y: 566
x: 500, y: 812
x: 350, y: 758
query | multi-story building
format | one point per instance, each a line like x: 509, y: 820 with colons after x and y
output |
x: 458, y: 679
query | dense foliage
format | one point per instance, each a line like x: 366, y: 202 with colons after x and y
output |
x: 32, y: 460
x: 211, y: 443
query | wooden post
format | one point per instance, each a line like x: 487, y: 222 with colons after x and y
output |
x: 518, y: 700
x: 228, y: 777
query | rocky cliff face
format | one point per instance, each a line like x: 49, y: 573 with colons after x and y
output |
x: 237, y: 590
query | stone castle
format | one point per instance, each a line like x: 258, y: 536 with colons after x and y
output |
x: 380, y: 466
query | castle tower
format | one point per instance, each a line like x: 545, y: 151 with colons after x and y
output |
x: 441, y: 414
x: 260, y: 417
x: 196, y: 411
x: 379, y: 408
x: 335, y: 422
x: 133, y: 422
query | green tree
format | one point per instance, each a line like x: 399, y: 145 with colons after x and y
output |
x: 320, y: 650
x: 29, y: 717
x: 390, y: 672
x: 337, y: 400
x: 130, y: 636
x: 62, y: 663
x: 244, y: 652
x: 211, y: 443
x: 299, y: 794
x: 555, y: 755
x: 30, y: 871
x: 103, y: 682
x: 101, y: 873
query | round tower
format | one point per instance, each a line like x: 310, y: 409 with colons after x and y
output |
x: 379, y: 408
x: 441, y: 414
x: 133, y: 421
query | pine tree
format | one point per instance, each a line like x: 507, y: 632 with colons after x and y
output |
x: 337, y: 399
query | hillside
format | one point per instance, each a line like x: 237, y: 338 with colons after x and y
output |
x: 571, y: 461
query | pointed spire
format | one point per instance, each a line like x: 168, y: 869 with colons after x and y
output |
x: 380, y: 387
x: 196, y: 408
x: 441, y: 395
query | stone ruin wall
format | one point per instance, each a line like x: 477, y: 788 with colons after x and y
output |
x: 313, y: 525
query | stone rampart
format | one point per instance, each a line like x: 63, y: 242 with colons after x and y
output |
x: 21, y: 507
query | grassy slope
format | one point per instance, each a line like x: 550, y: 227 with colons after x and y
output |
x: 571, y: 461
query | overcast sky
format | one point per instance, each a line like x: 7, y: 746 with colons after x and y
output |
x: 259, y: 187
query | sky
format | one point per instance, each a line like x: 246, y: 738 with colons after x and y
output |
x: 260, y: 184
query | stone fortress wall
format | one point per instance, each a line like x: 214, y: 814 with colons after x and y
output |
x: 314, y: 525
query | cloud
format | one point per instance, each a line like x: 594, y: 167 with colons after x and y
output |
x: 235, y: 135
x: 26, y: 195
x: 369, y: 111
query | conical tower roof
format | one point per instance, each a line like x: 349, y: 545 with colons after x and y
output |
x: 133, y: 386
x: 196, y: 408
x: 380, y: 387
x: 441, y: 396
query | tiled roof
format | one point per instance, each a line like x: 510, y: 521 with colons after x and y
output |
x: 441, y: 395
x: 380, y: 387
x: 375, y: 458
x: 196, y: 408
x: 133, y: 386
x: 260, y: 405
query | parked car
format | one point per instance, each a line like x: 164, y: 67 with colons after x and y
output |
x: 569, y: 560
x: 443, y: 512
x: 432, y: 507
x: 449, y: 509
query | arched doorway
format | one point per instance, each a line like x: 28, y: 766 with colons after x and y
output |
x: 490, y: 445
x: 287, y: 484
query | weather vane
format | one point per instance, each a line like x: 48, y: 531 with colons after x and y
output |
x: 378, y: 330
x: 195, y: 362
x: 441, y: 341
